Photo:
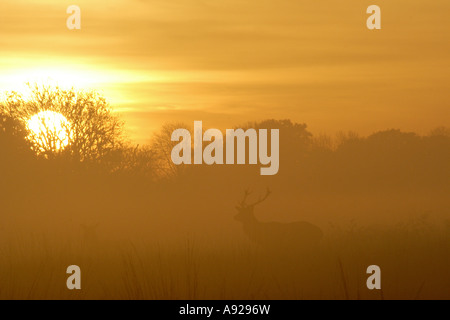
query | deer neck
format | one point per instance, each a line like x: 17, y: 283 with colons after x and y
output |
x: 251, y: 228
x: 250, y: 223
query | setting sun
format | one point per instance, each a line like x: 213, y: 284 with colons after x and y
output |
x: 49, y: 130
x: 197, y: 152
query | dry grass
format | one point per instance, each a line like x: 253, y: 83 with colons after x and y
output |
x: 415, y: 264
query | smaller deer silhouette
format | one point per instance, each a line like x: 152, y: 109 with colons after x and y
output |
x: 275, y: 235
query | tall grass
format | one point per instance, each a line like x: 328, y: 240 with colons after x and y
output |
x: 415, y: 264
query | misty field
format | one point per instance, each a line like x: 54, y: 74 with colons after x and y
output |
x: 414, y: 260
x: 141, y: 227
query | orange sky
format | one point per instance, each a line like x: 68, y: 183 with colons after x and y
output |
x: 229, y: 61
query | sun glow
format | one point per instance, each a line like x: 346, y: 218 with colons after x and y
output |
x: 49, y: 131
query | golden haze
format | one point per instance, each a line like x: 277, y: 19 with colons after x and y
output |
x: 225, y: 61
x: 141, y: 228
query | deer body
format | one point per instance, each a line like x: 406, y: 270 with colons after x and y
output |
x: 277, y: 235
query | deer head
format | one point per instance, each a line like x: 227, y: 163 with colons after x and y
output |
x: 245, y: 210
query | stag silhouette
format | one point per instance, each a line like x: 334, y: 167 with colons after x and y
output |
x: 299, y: 235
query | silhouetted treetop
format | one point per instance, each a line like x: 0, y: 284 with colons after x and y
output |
x: 13, y: 141
x: 94, y: 130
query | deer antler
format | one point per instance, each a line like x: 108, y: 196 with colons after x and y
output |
x: 261, y: 199
x: 246, y: 194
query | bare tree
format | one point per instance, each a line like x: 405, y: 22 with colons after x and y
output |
x: 162, y: 145
x: 94, y: 131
